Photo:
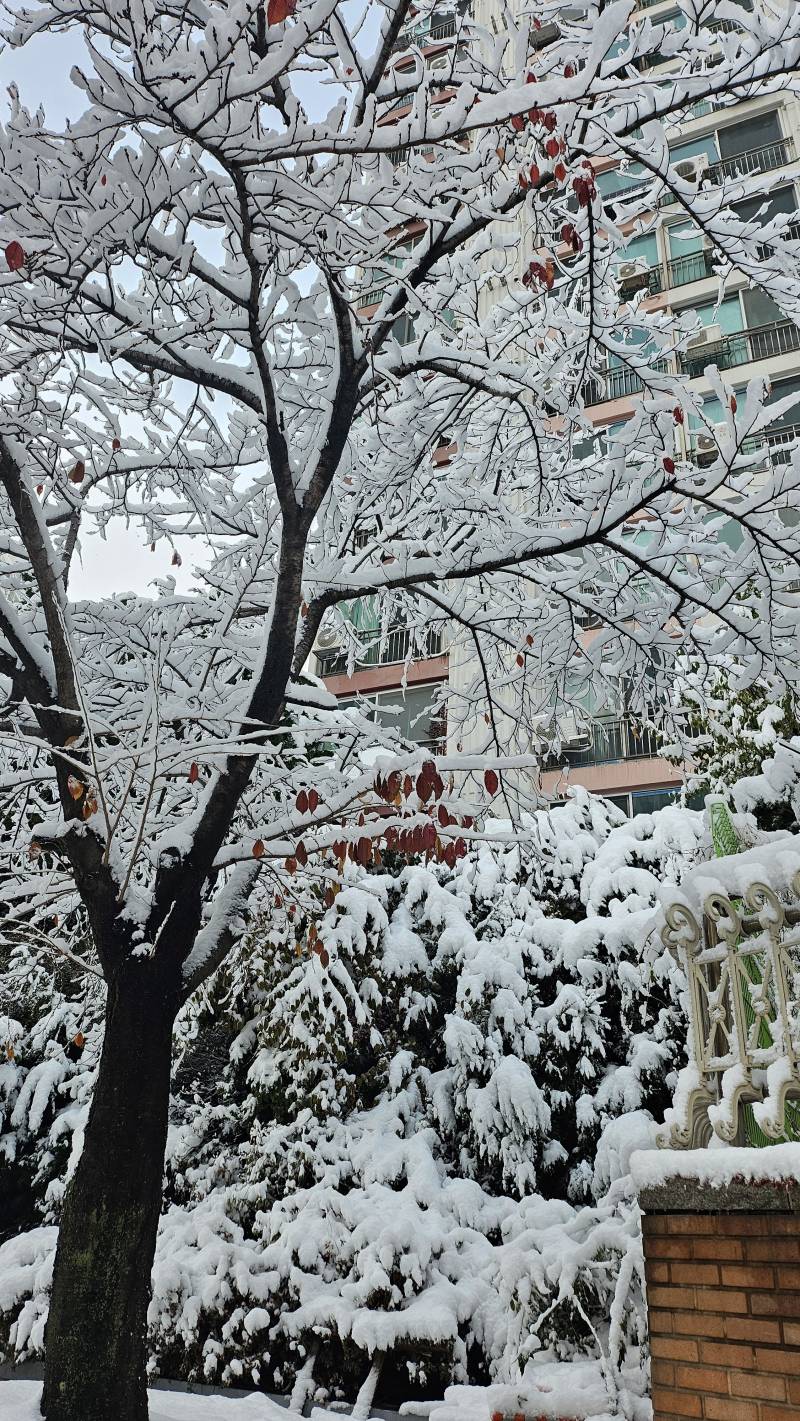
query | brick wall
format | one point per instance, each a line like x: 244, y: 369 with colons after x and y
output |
x: 723, y: 1295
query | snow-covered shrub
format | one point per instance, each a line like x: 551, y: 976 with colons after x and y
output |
x: 402, y: 1133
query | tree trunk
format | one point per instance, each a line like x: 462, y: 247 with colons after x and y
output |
x: 95, y: 1344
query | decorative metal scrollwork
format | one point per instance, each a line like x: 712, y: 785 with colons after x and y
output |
x: 743, y: 971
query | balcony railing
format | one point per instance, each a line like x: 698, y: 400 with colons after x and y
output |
x: 694, y: 266
x: 616, y: 383
x: 609, y: 741
x: 777, y: 443
x: 754, y: 160
x: 388, y: 650
x: 760, y: 343
x: 441, y: 29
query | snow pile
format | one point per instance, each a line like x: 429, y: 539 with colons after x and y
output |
x: 416, y: 1157
x: 716, y: 1168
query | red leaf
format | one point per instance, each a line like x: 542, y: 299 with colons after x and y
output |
x: 324, y: 956
x: 677, y: 414
x: 302, y: 802
x: 75, y: 787
x: 194, y: 773
x: 291, y: 867
x: 491, y: 781
x: 444, y: 817
x: 40, y: 488
x: 733, y: 404
x: 669, y: 465
x: 429, y: 837
x: 301, y: 854
x: 313, y: 801
x: 115, y: 445
x: 258, y: 849
x: 449, y: 855
x: 461, y: 848
x: 535, y: 175
x: 552, y: 147
x: 363, y: 851
x: 569, y: 72
x: 549, y: 120
x: 559, y: 172
x: 176, y: 559
x: 279, y: 10
x: 407, y: 786
x: 517, y: 122
x: 78, y: 473
x: 15, y: 256
x: 79, y: 1040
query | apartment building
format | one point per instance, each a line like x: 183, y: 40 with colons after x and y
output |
x: 744, y: 334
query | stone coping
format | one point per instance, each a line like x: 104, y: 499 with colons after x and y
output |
x: 710, y: 1181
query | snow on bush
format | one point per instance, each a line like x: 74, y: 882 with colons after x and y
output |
x: 418, y: 1155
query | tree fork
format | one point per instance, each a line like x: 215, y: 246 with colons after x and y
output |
x: 95, y: 1367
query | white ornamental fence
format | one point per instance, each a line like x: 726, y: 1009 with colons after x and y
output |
x: 742, y: 962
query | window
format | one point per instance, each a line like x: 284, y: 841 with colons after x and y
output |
x: 412, y: 712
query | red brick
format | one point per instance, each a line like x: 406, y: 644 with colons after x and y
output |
x: 757, y: 1386
x: 741, y: 1225
x: 664, y: 1247
x: 661, y: 1297
x: 724, y: 1408
x: 748, y: 1275
x: 774, y: 1304
x: 676, y: 1403
x: 751, y: 1329
x: 680, y: 1349
x: 654, y: 1224
x: 794, y: 1390
x: 657, y: 1270
x: 772, y: 1249
x: 727, y: 1354
x: 702, y: 1379
x: 660, y: 1322
x: 724, y: 1299
x: 791, y: 1334
x: 732, y: 1249
x: 699, y: 1224
x: 778, y: 1413
x: 781, y: 1224
x: 786, y: 1276
x: 702, y: 1273
x: 663, y: 1373
x: 693, y: 1324
x: 778, y: 1359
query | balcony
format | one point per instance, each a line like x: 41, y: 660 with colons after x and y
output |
x: 759, y: 343
x: 694, y: 266
x: 441, y: 29
x: 609, y: 741
x: 769, y: 156
x: 777, y: 443
x: 394, y: 648
x: 616, y: 383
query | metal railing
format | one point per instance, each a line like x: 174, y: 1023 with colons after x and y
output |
x: 758, y: 343
x: 741, y: 956
x: 694, y: 266
x: 395, y: 646
x: 442, y: 29
x: 777, y: 443
x: 753, y: 160
x: 616, y: 383
x: 609, y: 741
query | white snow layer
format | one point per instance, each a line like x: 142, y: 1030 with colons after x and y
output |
x: 777, y: 1164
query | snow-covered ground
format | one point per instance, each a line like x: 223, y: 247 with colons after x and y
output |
x: 573, y: 1391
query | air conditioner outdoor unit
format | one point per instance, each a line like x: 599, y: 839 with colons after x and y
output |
x: 706, y: 444
x: 628, y: 270
x: 707, y: 335
x: 327, y: 638
x: 691, y: 169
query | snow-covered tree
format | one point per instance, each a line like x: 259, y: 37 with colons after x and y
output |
x: 186, y: 344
